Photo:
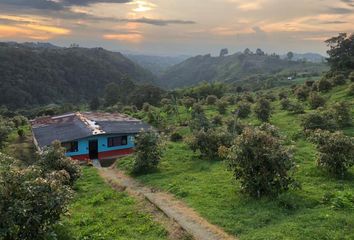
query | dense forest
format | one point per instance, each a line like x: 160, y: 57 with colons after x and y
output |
x: 236, y: 67
x: 33, y: 75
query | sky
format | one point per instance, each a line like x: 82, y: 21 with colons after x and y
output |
x: 178, y: 27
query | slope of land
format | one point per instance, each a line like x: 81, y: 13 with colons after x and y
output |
x: 234, y: 68
x: 211, y: 190
x: 36, y: 75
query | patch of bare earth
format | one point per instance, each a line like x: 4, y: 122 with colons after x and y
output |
x: 181, y: 221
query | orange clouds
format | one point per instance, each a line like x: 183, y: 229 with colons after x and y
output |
x: 126, y: 37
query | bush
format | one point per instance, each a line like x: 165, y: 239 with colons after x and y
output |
x: 148, y: 152
x: 318, y: 120
x: 263, y: 110
x: 336, y: 151
x: 342, y: 114
x: 188, y: 102
x: 351, y: 90
x: 309, y: 83
x: 199, y: 121
x: 282, y: 95
x: 302, y: 92
x: 217, y: 120
x: 21, y: 133
x: 54, y: 159
x: 296, y: 108
x: 211, y: 99
x: 208, y: 142
x: 260, y: 161
x: 351, y: 76
x: 243, y: 109
x: 165, y: 101
x: 234, y: 127
x: 338, y: 80
x: 146, y: 107
x: 316, y: 100
x: 324, y: 85
x: 285, y: 104
x: 176, y: 137
x: 222, y: 106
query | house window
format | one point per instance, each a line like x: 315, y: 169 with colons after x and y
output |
x: 117, y: 141
x: 71, y: 146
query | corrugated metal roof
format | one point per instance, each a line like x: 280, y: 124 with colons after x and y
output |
x: 75, y: 126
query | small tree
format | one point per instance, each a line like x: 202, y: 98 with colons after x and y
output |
x: 351, y: 76
x: 296, y: 108
x: 290, y: 55
x: 302, y: 92
x: 324, y: 85
x: 285, y: 104
x: 318, y: 120
x: 351, y: 90
x: 263, y: 110
x: 336, y: 151
x: 338, y: 80
x: 222, y: 106
x: 260, y: 161
x: 211, y: 99
x: 95, y: 103
x: 316, y: 100
x: 342, y: 114
x: 148, y: 152
x: 188, y: 102
x: 243, y: 109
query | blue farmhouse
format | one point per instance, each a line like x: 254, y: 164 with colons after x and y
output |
x: 89, y: 135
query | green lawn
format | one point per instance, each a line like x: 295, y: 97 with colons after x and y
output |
x: 99, y: 212
x: 209, y: 188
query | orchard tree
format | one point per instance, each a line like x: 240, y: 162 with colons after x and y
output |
x: 341, y: 52
x: 263, y: 110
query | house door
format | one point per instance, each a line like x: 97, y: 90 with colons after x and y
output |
x: 93, y: 149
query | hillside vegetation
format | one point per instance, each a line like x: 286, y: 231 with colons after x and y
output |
x: 41, y: 75
x: 234, y: 68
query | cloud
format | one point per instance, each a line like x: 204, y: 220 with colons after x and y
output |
x: 334, y: 22
x: 339, y: 10
x: 349, y: 2
x: 89, y: 2
x: 132, y: 37
x: 156, y: 22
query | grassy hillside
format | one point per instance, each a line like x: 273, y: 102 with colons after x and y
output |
x: 210, y: 188
x: 234, y: 68
x: 40, y: 75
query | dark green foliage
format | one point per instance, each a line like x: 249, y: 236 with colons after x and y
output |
x: 283, y: 95
x: 155, y: 118
x: 148, y: 152
x: 188, y: 102
x: 318, y: 120
x: 95, y: 103
x: 217, y: 120
x: 113, y: 93
x: 222, y: 106
x: 199, y: 121
x: 142, y: 94
x: 323, y: 85
x: 338, y: 80
x: 351, y: 90
x: 351, y: 76
x: 208, y: 142
x: 336, y: 151
x: 309, y: 83
x: 19, y: 121
x: 296, y: 108
x: 260, y: 162
x: 40, y: 76
x: 234, y: 126
x: 54, y: 159
x: 285, y: 104
x: 302, y: 92
x: 263, y: 110
x: 5, y: 130
x: 21, y: 133
x: 243, y: 109
x: 146, y: 107
x: 176, y: 137
x: 341, y: 52
x: 341, y: 113
x: 211, y: 99
x: 316, y: 100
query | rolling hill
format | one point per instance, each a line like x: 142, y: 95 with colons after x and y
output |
x: 32, y: 74
x: 233, y: 68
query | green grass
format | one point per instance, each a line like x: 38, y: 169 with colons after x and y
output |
x: 99, y: 212
x: 210, y: 189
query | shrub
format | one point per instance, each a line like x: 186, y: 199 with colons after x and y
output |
x: 336, y: 151
x: 324, y: 85
x: 165, y: 101
x: 285, y: 104
x: 188, y: 102
x: 176, y: 137
x: 296, y: 108
x: 316, y: 100
x: 217, y: 120
x: 248, y: 97
x: 263, y: 110
x: 146, y: 107
x: 199, y: 121
x: 342, y: 114
x: 260, y: 161
x: 208, y: 142
x: 148, y: 152
x: 21, y: 133
x: 54, y: 159
x: 234, y: 127
x: 338, y: 80
x: 222, y: 106
x: 351, y: 76
x: 19, y: 121
x: 318, y: 120
x: 32, y: 199
x: 243, y: 109
x: 211, y: 99
x: 351, y: 90
x: 282, y: 95
x: 309, y: 83
x: 302, y: 92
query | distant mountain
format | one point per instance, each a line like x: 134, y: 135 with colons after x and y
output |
x: 37, y: 74
x: 232, y: 68
x: 310, y: 57
x: 156, y: 64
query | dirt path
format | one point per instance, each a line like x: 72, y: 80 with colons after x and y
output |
x: 175, y: 209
